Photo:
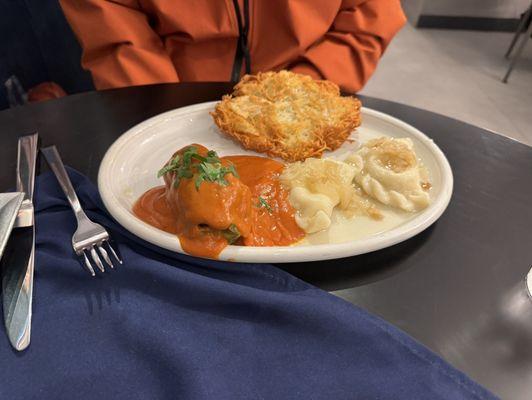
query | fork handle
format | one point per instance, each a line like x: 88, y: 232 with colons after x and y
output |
x: 58, y: 168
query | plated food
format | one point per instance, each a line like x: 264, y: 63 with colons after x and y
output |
x: 211, y: 202
x: 181, y: 183
x: 287, y: 115
x: 390, y: 172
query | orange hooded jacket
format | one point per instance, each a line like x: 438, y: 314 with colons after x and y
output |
x: 136, y: 42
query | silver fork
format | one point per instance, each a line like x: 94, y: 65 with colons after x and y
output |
x: 90, y: 238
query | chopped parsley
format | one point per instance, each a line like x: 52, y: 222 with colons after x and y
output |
x: 208, y: 168
x: 231, y: 234
x: 171, y: 166
x: 264, y: 203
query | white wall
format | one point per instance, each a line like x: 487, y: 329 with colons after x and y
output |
x: 473, y: 8
x: 412, y: 9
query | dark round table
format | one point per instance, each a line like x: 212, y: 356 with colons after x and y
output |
x: 458, y: 287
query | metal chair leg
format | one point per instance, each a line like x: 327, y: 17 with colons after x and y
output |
x: 517, y: 54
x: 520, y: 29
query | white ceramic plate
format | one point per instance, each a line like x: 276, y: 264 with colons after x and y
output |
x: 130, y: 165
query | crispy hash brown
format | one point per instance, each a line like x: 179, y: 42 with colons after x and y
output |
x: 287, y: 115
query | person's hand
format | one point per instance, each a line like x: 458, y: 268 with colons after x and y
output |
x: 45, y: 91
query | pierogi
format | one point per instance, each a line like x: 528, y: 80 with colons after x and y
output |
x: 317, y: 186
x: 390, y: 172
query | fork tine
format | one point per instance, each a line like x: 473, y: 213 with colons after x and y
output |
x: 87, y: 264
x: 113, y: 252
x: 105, y: 255
x: 96, y: 259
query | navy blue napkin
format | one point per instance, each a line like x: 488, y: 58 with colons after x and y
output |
x: 167, y: 326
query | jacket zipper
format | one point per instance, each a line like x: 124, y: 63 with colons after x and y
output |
x: 242, y: 47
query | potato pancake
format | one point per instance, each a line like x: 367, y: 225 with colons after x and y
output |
x: 287, y: 115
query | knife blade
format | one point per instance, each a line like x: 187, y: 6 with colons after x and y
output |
x: 18, y: 259
x: 9, y: 207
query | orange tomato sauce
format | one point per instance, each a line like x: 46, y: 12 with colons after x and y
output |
x: 198, y: 216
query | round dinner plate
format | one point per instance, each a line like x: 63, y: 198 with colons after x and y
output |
x: 130, y: 166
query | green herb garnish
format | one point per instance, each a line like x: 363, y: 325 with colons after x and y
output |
x: 207, y: 168
x: 231, y: 234
x: 173, y: 164
x: 264, y: 203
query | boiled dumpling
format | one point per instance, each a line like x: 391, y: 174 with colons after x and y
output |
x: 314, y: 209
x: 390, y: 172
x: 317, y: 186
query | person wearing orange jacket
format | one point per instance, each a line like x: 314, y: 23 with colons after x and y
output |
x: 138, y: 42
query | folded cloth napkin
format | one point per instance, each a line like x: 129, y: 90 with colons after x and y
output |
x: 168, y: 326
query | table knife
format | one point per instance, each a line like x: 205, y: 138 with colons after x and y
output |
x: 17, y: 260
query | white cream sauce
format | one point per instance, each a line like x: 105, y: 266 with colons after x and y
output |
x: 344, y: 229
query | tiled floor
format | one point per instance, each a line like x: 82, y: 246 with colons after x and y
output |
x: 458, y: 74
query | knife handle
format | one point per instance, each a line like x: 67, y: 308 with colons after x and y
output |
x: 58, y: 168
x: 26, y: 163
